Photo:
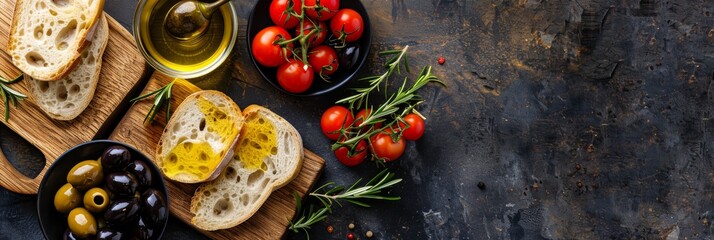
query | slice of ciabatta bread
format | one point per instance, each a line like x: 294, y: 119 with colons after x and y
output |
x: 47, y: 37
x: 198, y: 140
x: 268, y: 156
x: 66, y: 98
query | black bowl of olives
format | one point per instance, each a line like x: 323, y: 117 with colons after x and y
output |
x: 103, y: 190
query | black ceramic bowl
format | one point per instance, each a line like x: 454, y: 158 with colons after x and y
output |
x: 260, y: 19
x: 54, y: 223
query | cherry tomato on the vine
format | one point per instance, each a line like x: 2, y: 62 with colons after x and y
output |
x: 280, y: 11
x: 361, y: 116
x: 384, y: 147
x: 322, y: 11
x: 323, y: 60
x: 293, y: 77
x: 318, y: 37
x: 357, y: 157
x: 335, y: 118
x: 264, y: 49
x: 415, y: 129
x: 347, y: 23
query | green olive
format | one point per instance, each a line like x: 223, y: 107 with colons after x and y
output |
x: 96, y: 200
x: 81, y: 222
x: 67, y: 198
x: 85, y: 175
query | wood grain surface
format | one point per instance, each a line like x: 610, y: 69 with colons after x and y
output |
x: 270, y: 222
x: 122, y: 68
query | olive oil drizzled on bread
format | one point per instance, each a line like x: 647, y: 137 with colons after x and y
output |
x: 199, y: 158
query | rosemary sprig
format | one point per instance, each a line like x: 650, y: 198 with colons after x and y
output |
x: 403, y: 95
x: 333, y: 194
x: 10, y: 95
x: 162, y: 97
x: 390, y: 108
x: 353, y: 194
x: 393, y: 64
x: 304, y: 222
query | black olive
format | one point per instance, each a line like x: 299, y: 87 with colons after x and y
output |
x: 348, y: 55
x: 142, y: 172
x: 68, y: 235
x: 153, y: 207
x: 142, y: 231
x: 121, y: 212
x: 115, y: 158
x: 122, y: 183
x: 109, y: 234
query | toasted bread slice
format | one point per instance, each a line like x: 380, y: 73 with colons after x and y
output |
x: 198, y: 140
x: 268, y: 156
x: 47, y: 37
x: 66, y: 98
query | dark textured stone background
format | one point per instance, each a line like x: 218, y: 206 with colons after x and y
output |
x: 585, y: 120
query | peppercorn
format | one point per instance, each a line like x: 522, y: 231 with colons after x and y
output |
x: 369, y: 234
x: 481, y: 185
x: 330, y: 229
x: 441, y: 60
x: 350, y: 236
x: 351, y: 226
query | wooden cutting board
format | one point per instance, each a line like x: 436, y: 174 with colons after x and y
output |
x: 122, y: 68
x: 270, y: 222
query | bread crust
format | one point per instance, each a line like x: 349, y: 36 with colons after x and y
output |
x: 225, y: 158
x: 81, y: 41
x: 297, y: 157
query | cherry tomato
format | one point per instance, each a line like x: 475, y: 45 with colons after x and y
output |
x: 347, y: 23
x: 316, y: 38
x: 361, y: 116
x: 280, y: 12
x: 293, y: 77
x: 323, y: 60
x: 321, y: 10
x: 415, y: 129
x: 358, y: 156
x: 264, y: 49
x: 335, y: 118
x: 385, y: 148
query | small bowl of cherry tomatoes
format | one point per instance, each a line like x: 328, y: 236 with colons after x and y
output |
x: 308, y: 47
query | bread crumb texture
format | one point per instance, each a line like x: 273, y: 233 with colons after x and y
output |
x: 200, y: 153
x: 265, y: 155
x: 66, y: 98
x: 47, y: 36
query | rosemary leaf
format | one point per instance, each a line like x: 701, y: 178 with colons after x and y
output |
x: 388, y: 52
x: 298, y: 202
x: 10, y: 95
x: 358, y: 203
x: 162, y: 98
x: 353, y: 194
x: 7, y: 108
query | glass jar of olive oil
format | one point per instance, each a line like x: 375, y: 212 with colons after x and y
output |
x: 183, y: 58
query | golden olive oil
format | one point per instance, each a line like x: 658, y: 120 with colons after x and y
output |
x: 258, y: 143
x: 184, y: 55
x: 199, y: 159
